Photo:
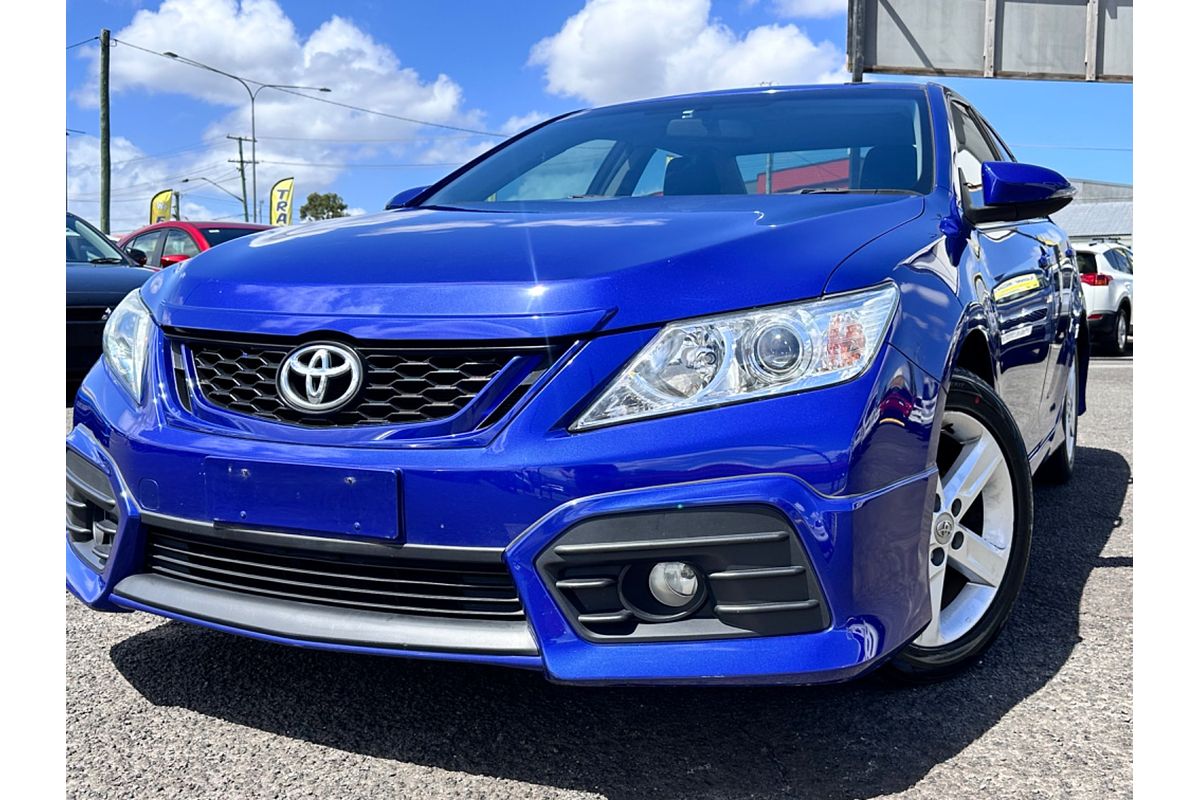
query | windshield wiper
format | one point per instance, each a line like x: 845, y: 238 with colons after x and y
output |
x: 843, y: 190
x: 107, y: 260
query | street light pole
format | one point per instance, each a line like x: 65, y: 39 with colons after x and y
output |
x: 245, y: 82
x: 223, y: 189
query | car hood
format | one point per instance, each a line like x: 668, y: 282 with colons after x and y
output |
x: 540, y: 271
x: 102, y: 284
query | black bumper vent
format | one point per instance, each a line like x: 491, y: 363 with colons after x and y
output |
x: 382, y: 583
x: 92, y: 516
x: 756, y: 579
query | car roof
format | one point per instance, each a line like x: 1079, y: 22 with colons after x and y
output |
x: 1100, y: 247
x: 189, y: 224
x: 894, y: 88
x: 222, y: 224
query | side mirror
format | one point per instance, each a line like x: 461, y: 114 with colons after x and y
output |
x: 401, y: 200
x: 138, y: 256
x: 172, y: 260
x: 1013, y: 192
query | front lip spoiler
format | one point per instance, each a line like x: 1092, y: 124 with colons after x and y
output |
x: 307, y: 622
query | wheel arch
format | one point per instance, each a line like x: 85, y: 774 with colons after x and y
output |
x: 973, y: 353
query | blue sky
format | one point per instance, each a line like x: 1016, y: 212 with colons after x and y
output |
x: 474, y: 64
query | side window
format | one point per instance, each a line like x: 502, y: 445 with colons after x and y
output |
x: 147, y: 242
x: 1116, y: 261
x: 1128, y: 261
x: 973, y: 148
x: 997, y: 142
x: 179, y: 243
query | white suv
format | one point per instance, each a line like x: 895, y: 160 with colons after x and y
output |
x: 1106, y: 270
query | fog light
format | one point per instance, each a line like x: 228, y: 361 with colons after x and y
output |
x: 673, y: 583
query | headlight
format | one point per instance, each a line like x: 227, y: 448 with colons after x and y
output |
x: 126, y: 343
x: 732, y: 357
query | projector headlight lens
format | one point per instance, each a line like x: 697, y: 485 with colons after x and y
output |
x: 722, y: 359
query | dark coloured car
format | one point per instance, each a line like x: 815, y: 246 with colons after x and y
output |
x: 166, y: 243
x: 99, y: 275
x: 746, y: 387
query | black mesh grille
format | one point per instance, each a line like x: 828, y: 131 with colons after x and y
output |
x: 369, y: 583
x: 399, y: 386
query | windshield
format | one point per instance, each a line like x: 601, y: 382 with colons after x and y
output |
x: 87, y: 245
x: 820, y: 141
x: 216, y: 236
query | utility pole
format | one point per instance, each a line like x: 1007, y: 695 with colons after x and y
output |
x: 176, y: 196
x: 241, y: 162
x: 857, y: 22
x: 105, y: 166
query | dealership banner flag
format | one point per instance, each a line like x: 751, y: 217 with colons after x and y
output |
x: 160, y: 206
x: 281, y: 202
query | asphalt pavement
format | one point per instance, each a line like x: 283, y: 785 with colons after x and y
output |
x: 163, y: 709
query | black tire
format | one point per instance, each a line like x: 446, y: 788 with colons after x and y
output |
x: 1060, y: 465
x: 1113, y: 345
x: 913, y: 664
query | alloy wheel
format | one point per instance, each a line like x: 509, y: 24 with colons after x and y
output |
x: 1071, y: 413
x: 971, y: 535
x: 1122, y: 332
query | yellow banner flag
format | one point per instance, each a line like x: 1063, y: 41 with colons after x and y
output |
x: 160, y: 206
x: 281, y: 202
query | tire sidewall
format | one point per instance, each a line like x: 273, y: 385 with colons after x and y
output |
x: 968, y: 394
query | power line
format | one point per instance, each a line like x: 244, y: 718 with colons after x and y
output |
x: 161, y: 155
x: 411, y: 120
x: 396, y: 116
x: 1074, y: 147
x: 80, y: 44
x: 363, y: 141
x: 212, y: 197
x: 351, y: 165
x: 133, y: 187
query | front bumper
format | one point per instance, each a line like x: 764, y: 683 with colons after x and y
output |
x: 852, y: 499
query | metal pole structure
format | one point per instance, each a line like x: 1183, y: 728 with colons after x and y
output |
x: 857, y: 25
x: 214, y: 183
x: 253, y: 95
x: 254, y: 152
x: 241, y: 162
x: 105, y: 162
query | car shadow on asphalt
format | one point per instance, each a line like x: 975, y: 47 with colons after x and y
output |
x: 855, y: 740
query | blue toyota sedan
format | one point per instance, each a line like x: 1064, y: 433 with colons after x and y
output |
x: 744, y: 387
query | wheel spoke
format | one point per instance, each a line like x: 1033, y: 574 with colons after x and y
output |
x: 978, y: 560
x: 970, y: 472
x: 932, y: 635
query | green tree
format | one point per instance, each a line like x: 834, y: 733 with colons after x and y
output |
x: 323, y: 206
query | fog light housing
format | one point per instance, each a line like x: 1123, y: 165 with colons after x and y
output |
x: 674, y: 583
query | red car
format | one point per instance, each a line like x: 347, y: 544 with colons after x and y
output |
x: 166, y: 243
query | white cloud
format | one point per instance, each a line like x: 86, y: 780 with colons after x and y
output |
x: 810, y: 8
x: 517, y: 124
x: 615, y: 50
x: 136, y: 178
x: 257, y: 40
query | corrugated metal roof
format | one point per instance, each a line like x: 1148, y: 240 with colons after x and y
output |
x: 1089, y: 191
x: 1104, y: 218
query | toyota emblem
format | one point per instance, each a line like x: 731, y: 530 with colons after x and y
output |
x: 319, y: 377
